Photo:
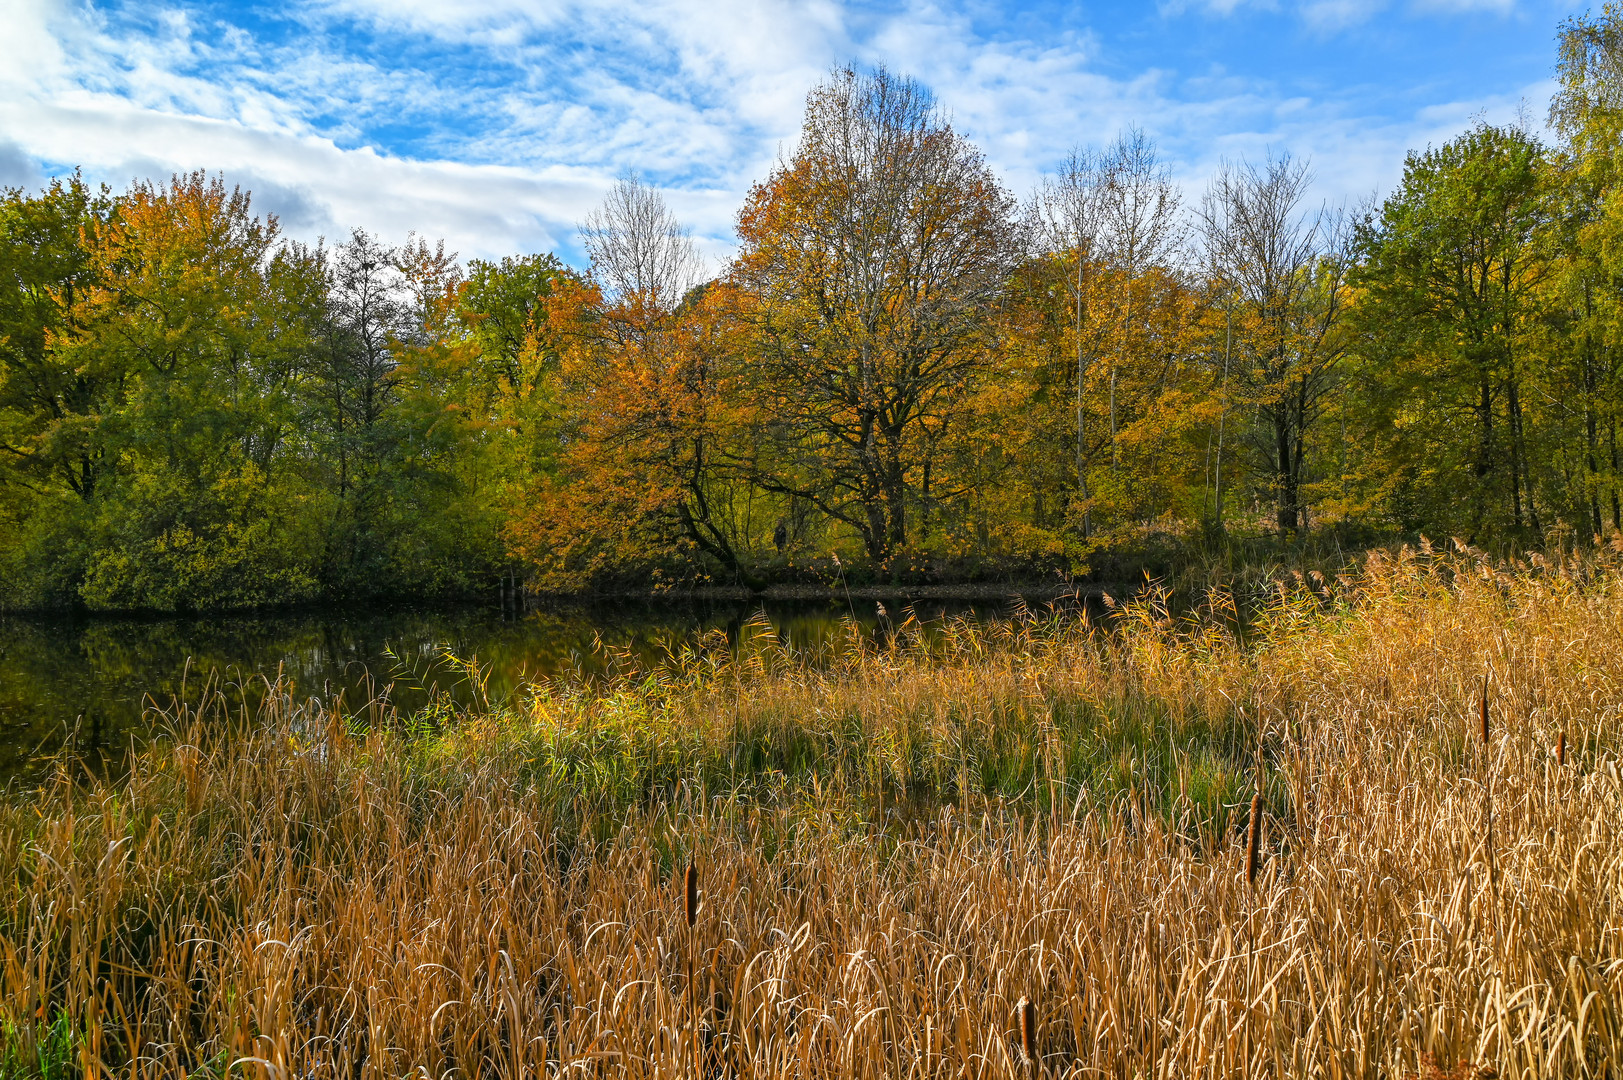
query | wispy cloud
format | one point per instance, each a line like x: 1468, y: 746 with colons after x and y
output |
x: 1332, y: 15
x: 1329, y: 15
x: 1455, y: 6
x: 499, y: 123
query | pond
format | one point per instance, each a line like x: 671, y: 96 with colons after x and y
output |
x: 87, y: 684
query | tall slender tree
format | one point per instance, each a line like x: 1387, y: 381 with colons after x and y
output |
x: 1281, y: 275
x: 1450, y: 278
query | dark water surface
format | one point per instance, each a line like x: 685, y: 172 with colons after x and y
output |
x: 88, y: 684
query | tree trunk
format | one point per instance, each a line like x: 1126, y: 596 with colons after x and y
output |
x: 1483, y: 466
x: 1591, y: 441
x: 1287, y: 516
x: 895, y: 495
x: 1517, y: 458
x: 1617, y: 503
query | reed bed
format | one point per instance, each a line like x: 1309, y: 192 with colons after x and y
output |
x: 1163, y: 846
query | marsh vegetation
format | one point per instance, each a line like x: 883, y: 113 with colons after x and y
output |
x: 1374, y: 835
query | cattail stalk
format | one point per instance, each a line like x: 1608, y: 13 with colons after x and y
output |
x: 690, y: 889
x: 1253, y: 838
x: 1027, y: 1012
x: 690, y: 909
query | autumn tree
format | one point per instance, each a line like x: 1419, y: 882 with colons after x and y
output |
x: 650, y: 401
x: 54, y: 445
x: 1107, y: 234
x: 1145, y: 317
x: 1138, y: 207
x: 1587, y: 278
x: 501, y: 306
x: 1450, y: 278
x: 1280, y: 277
x: 197, y: 412
x: 1066, y: 223
x: 873, y: 259
x: 513, y: 388
x: 49, y: 408
x: 193, y: 316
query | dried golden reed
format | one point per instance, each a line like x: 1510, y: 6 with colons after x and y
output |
x: 304, y: 897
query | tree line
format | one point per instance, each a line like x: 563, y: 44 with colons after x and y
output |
x: 904, y: 370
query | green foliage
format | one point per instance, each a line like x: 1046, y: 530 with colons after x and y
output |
x: 47, y: 1051
x: 501, y: 306
x: 1451, y: 274
x: 174, y: 548
x: 49, y: 402
x: 196, y: 414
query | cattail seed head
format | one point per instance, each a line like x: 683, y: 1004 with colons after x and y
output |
x: 690, y: 890
x: 1483, y: 710
x: 1253, y: 838
x: 1027, y: 1011
x: 1561, y: 750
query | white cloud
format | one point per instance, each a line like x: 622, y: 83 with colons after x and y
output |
x: 1459, y: 6
x: 1327, y: 16
x: 17, y: 169
x: 486, y: 210
x: 699, y: 95
x: 1331, y: 15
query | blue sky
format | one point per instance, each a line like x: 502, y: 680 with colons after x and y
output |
x: 497, y: 124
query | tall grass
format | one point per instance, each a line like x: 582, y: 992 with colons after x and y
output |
x: 898, y: 844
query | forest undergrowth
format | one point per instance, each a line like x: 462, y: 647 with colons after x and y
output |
x: 1369, y: 830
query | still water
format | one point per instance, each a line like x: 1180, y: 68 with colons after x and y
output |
x: 88, y: 684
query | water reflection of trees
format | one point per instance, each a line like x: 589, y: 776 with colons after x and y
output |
x: 89, y: 680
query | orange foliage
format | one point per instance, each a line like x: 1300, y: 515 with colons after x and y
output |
x: 652, y: 411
